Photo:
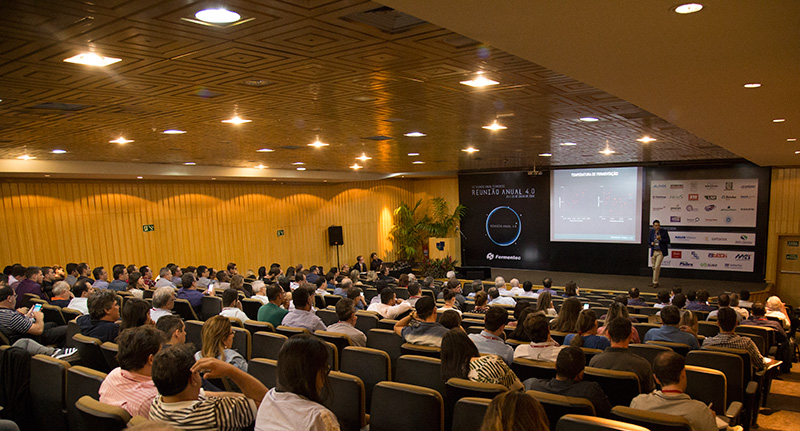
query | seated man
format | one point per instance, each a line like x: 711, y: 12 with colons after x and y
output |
x: 726, y: 320
x: 547, y: 285
x: 775, y: 308
x: 618, y: 357
x: 744, y: 298
x: 701, y: 304
x: 341, y: 290
x: 669, y: 331
x: 670, y: 373
x: 569, y: 382
x: 102, y: 318
x: 81, y: 292
x: 61, y: 294
x: 302, y: 316
x: 784, y: 353
x: 489, y: 341
x: 420, y: 327
x: 735, y: 305
x: 496, y: 299
x: 163, y: 302
x: 346, y: 311
x: 274, y: 311
x: 527, y: 290
x: 231, y: 306
x: 542, y: 347
x: 260, y: 292
x: 513, y: 289
x: 189, y: 291
x: 181, y: 402
x: 414, y: 293
x: 173, y: 328
x: 165, y: 278
x: 30, y: 284
x: 663, y: 298
x: 723, y: 300
x: 21, y: 324
x: 130, y: 386
x: 389, y: 307
x: 633, y: 298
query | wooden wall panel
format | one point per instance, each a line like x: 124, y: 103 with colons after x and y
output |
x: 446, y: 188
x: 784, y: 214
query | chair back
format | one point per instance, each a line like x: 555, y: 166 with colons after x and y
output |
x: 210, y: 306
x: 242, y: 342
x: 528, y: 368
x: 267, y: 344
x: 254, y: 326
x: 100, y: 416
x: 556, y: 406
x: 768, y: 334
x: 333, y: 356
x: 348, y: 402
x: 417, y: 349
x: 386, y: 324
x: 370, y: 365
x: 391, y: 401
x: 386, y: 340
x: 590, y: 423
x: 468, y: 413
x: 642, y: 328
x: 679, y: 348
x: 654, y: 421
x: 328, y: 317
x: 250, y: 307
x: 420, y: 371
x: 590, y: 353
x: 709, y: 386
x: 620, y: 386
x: 332, y: 300
x: 184, y: 309
x: 291, y: 330
x: 729, y: 364
x: 48, y: 392
x: 80, y: 381
x: 456, y: 388
x: 110, y: 350
x: 336, y: 338
x: 194, y: 333
x: 53, y: 314
x: 366, y: 321
x: 72, y: 328
x: 90, y: 352
x: 265, y: 370
x: 236, y: 322
x: 707, y: 329
x: 647, y: 351
x: 759, y: 341
x: 558, y: 336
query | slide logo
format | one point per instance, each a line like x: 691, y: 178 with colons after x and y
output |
x: 694, y: 196
x: 676, y: 254
x: 742, y: 256
x: 489, y: 256
x: 674, y: 219
x: 440, y: 245
x: 503, y: 226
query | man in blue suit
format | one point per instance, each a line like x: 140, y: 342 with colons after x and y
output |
x: 659, y: 242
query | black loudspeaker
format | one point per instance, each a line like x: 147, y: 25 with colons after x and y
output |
x: 335, y: 236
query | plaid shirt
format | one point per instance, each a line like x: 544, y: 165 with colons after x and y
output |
x: 733, y: 341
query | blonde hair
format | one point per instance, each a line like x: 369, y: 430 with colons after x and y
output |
x: 237, y: 282
x: 215, y: 331
x: 515, y: 411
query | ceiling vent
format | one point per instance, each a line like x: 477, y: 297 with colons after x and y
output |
x: 378, y: 138
x: 60, y: 106
x: 386, y: 20
x: 291, y: 147
x: 636, y: 115
x: 460, y: 41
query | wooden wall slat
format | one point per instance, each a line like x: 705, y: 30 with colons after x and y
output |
x: 784, y: 213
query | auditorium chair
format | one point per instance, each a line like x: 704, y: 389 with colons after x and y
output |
x: 194, y: 333
x: 768, y: 334
x: 711, y: 387
x: 210, y: 306
x: 265, y: 370
x: 647, y: 351
x: 255, y: 326
x: 386, y: 340
x: 331, y: 300
x: 319, y: 303
x: 27, y: 299
x: 468, y: 322
x: 52, y: 313
x: 336, y: 338
x: 590, y: 423
x: 642, y: 328
x: 708, y: 329
x: 402, y: 293
x: 90, y: 353
x: 428, y: 292
x: 370, y: 293
x: 80, y: 381
x: 477, y: 316
x: 392, y: 402
x: 72, y: 325
x: 513, y: 343
x: 370, y: 365
x: 526, y: 368
x: 654, y: 421
x: 291, y: 330
x: 366, y: 321
x: 558, y: 336
x: 110, y: 350
x: 456, y: 388
x: 740, y: 386
x: 267, y: 344
x: 556, y: 406
x: 418, y: 349
x: 236, y: 322
x: 348, y: 401
x: 333, y: 355
x: 329, y: 317
x: 48, y: 390
x: 420, y: 371
x: 4, y: 341
x: 102, y: 417
x: 468, y: 413
x: 242, y: 342
x: 250, y: 307
x: 386, y: 324
x: 589, y: 353
x: 620, y: 386
x: 184, y: 309
x: 148, y: 294
x: 679, y: 348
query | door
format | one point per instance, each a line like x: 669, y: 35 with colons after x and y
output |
x: 789, y: 268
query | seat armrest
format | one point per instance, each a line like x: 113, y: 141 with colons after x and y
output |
x: 751, y: 388
x: 733, y: 412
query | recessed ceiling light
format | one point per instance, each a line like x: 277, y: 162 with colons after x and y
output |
x: 791, y: 139
x: 301, y: 169
x: 47, y: 175
x: 139, y: 178
x: 568, y: 144
x: 173, y: 132
x: 545, y: 155
x: 213, y: 178
x: 190, y: 163
x: 480, y: 81
x: 217, y: 16
x: 298, y: 163
x: 589, y: 119
x: 92, y: 59
x: 414, y: 134
x: 418, y: 162
x: 470, y: 150
x: 121, y: 141
x: 797, y: 152
x: 779, y: 120
x: 26, y: 157
x: 317, y: 143
x: 607, y: 151
x: 646, y: 139
x: 236, y: 120
x: 688, y: 8
x: 413, y: 154
x: 495, y: 126
x: 261, y: 167
x: 752, y: 85
x: 59, y: 151
x: 363, y: 158
x: 356, y: 166
x: 265, y: 150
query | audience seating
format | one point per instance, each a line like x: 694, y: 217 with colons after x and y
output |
x: 236, y: 322
x: 184, y: 309
x: 250, y: 307
x: 648, y: 351
x: 332, y: 300
x: 740, y: 386
x: 620, y: 386
x: 265, y: 370
x: 527, y: 368
x: 210, y: 306
x: 417, y: 349
x: 333, y: 356
x: 72, y: 328
x: 53, y: 314
x: 768, y: 334
x: 348, y: 402
x: 110, y: 350
x: 679, y: 348
x: 386, y: 340
x: 558, y: 337
x: 589, y: 353
x: 393, y: 404
x: 90, y: 353
x: 711, y: 387
x: 336, y: 338
x: 758, y: 340
x: 468, y: 413
x: 267, y: 344
x: 456, y: 388
x: 48, y: 391
x: 291, y: 330
x: 420, y: 371
x: 242, y: 342
x: 366, y: 321
x: 642, y: 329
x: 653, y: 421
x: 386, y: 324
x: 4, y: 341
x: 148, y: 294
x: 194, y: 333
x: 370, y: 293
x: 254, y: 326
x: 556, y: 406
x: 328, y: 317
x: 102, y: 417
x: 370, y: 365
x: 27, y: 299
x: 590, y: 423
x: 80, y: 381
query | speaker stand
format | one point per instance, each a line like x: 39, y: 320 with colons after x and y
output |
x: 337, y: 256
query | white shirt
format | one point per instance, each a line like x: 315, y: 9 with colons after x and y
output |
x: 517, y: 291
x: 505, y: 292
x: 157, y: 313
x: 503, y: 300
x: 234, y: 312
x: 79, y: 304
x: 530, y: 294
x: 264, y: 300
x: 285, y: 411
x: 443, y: 309
x: 389, y: 311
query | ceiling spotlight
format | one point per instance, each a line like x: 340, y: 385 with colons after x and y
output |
x: 470, y: 150
x: 139, y: 178
x: 121, y: 141
x: 495, y: 126
x: 217, y: 16
x: 589, y: 119
x: 298, y: 163
x: 480, y: 81
x: 363, y: 158
x: 173, y: 132
x: 92, y: 59
x: 646, y: 139
x: 791, y: 140
x: 356, y: 166
x: 236, y: 120
x: 59, y: 151
x: 797, y: 152
x: 607, y: 151
x: 568, y: 144
x: 414, y: 134
x: 301, y: 169
x: 418, y: 162
x: 261, y: 167
x: 688, y: 8
x: 190, y: 163
x: 752, y: 85
x: 413, y: 154
x: 779, y: 120
x: 317, y: 143
x: 265, y: 150
x: 545, y: 155
x: 26, y: 157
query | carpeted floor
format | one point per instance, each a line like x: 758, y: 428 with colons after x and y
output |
x: 784, y: 401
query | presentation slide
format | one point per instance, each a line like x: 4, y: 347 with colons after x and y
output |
x: 596, y: 205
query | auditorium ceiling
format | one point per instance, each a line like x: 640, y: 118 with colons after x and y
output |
x: 357, y: 76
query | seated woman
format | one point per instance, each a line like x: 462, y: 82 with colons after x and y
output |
x: 519, y: 332
x: 689, y: 323
x: 618, y: 309
x: 544, y: 303
x: 568, y: 316
x: 450, y: 319
x: 135, y: 313
x: 296, y: 402
x: 217, y: 336
x: 515, y: 411
x: 521, y: 305
x: 587, y: 333
x: 460, y: 358
x: 136, y: 285
x: 481, y: 303
x: 449, y: 301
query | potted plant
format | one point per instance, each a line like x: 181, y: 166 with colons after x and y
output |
x: 411, y: 227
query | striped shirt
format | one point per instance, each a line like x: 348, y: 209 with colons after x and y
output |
x: 214, y: 413
x: 13, y: 323
x: 491, y: 369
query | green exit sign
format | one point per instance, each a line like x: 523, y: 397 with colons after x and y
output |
x: 280, y: 232
x: 148, y: 227
x: 793, y: 243
x: 791, y: 257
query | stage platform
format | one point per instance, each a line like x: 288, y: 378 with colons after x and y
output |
x: 625, y: 282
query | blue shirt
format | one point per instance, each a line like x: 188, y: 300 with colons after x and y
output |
x: 486, y: 342
x: 590, y: 341
x: 194, y: 296
x: 672, y: 334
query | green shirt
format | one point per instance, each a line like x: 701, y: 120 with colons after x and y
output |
x: 271, y: 313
